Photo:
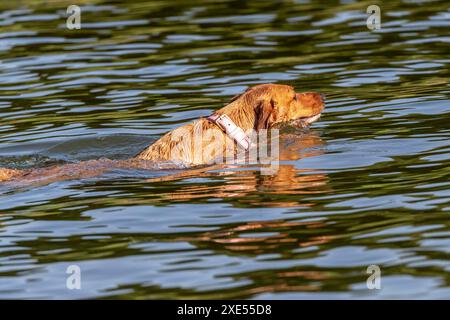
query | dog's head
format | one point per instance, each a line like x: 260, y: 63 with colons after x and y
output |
x: 268, y: 104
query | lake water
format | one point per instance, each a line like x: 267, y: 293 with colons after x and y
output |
x: 367, y: 185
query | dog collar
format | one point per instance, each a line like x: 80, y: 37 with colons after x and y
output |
x: 231, y: 129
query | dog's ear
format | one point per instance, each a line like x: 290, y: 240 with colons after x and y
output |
x: 263, y: 112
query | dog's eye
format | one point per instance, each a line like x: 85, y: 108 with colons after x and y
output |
x: 295, y: 97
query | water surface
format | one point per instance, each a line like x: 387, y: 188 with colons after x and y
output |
x: 368, y: 184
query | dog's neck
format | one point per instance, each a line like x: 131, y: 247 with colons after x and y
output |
x: 243, y: 118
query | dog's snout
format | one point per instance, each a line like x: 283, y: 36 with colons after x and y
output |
x: 319, y: 96
x: 315, y: 95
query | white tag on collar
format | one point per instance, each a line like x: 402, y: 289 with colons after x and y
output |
x: 231, y: 129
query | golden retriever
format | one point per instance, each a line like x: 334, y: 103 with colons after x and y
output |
x: 204, y: 140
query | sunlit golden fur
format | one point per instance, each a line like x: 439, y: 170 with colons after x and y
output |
x: 8, y: 174
x: 259, y: 107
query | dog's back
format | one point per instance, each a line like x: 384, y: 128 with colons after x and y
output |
x: 7, y: 174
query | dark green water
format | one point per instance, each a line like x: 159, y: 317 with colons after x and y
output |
x: 368, y: 184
